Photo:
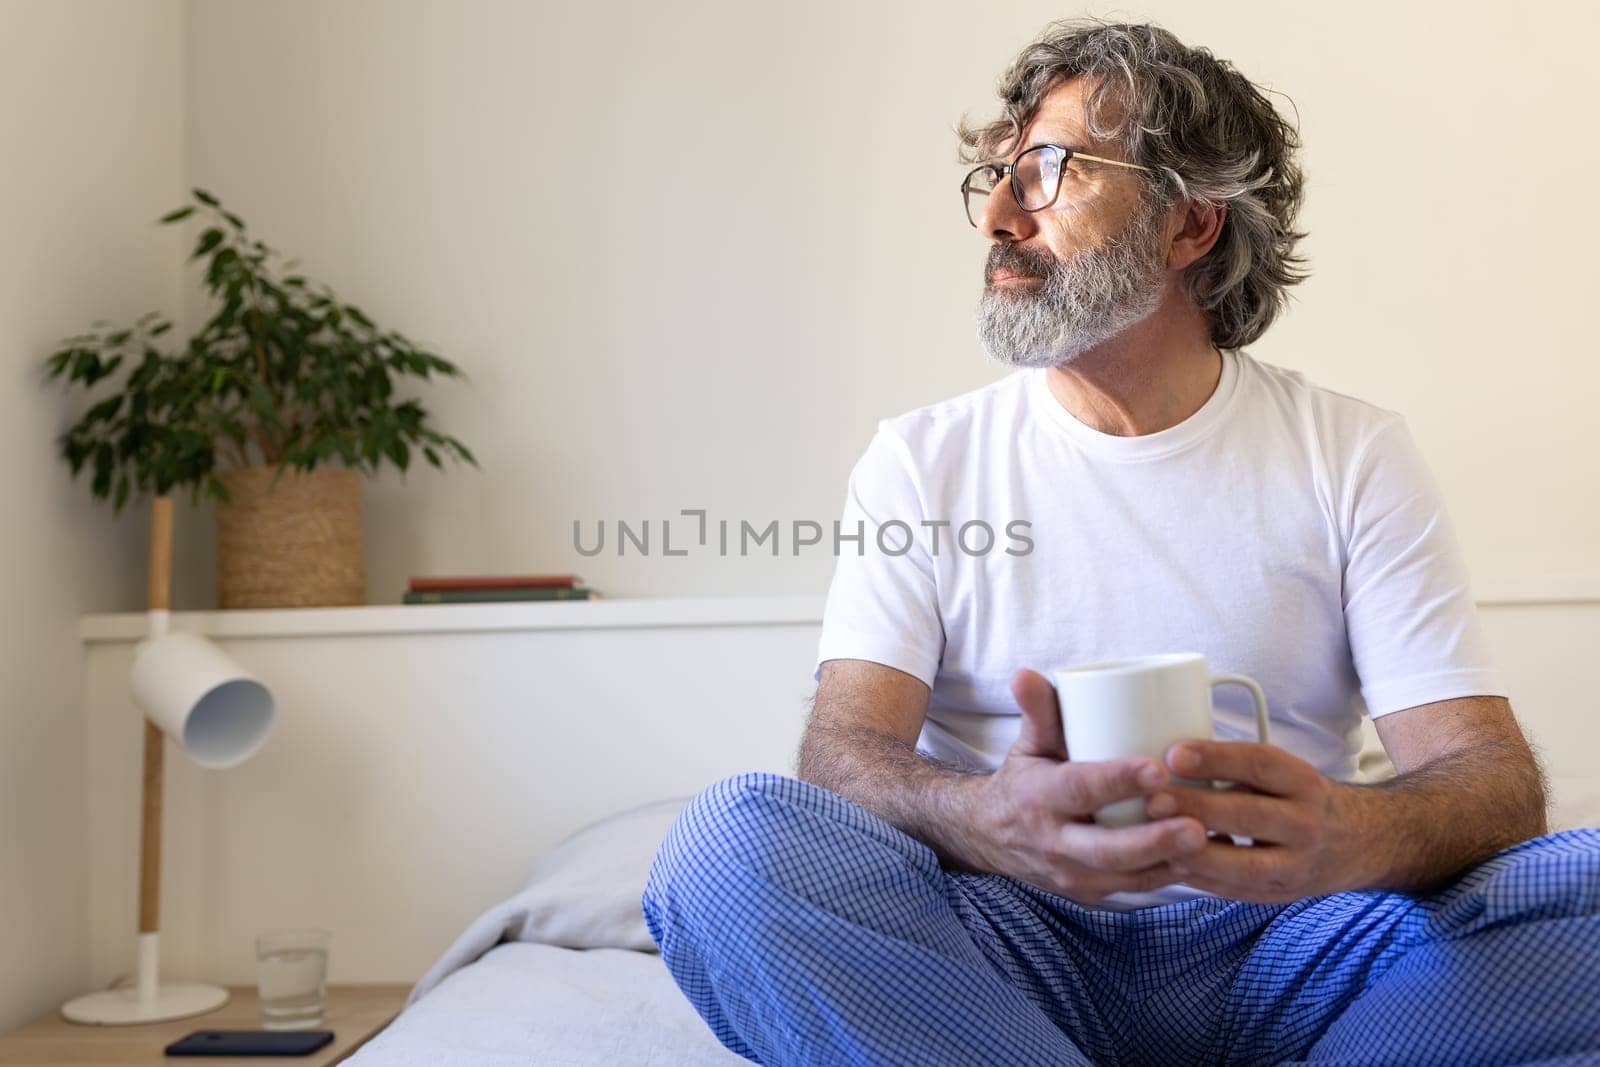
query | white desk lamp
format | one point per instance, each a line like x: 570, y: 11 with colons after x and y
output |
x: 220, y: 715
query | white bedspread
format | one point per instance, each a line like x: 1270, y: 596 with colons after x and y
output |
x: 538, y: 1004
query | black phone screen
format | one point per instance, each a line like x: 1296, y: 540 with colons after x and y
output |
x: 250, y: 1043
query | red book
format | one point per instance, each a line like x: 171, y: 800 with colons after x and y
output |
x: 491, y: 581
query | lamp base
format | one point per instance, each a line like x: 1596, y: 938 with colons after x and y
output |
x: 122, y: 1007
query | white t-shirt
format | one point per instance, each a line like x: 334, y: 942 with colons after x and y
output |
x: 1285, y: 531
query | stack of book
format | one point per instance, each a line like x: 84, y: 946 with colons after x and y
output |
x: 485, y: 589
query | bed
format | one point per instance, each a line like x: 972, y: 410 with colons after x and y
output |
x: 565, y: 973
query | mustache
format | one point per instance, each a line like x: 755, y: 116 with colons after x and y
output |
x: 1014, y: 257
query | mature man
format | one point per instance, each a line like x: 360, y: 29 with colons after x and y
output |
x: 932, y: 889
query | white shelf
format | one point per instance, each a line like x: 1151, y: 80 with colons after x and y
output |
x: 467, y: 618
x: 621, y: 614
x: 1543, y: 589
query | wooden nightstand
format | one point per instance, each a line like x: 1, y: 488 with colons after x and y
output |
x: 355, y: 1013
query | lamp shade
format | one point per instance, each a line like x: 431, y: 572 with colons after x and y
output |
x: 202, y: 699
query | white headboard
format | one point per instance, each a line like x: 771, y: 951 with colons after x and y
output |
x: 424, y: 757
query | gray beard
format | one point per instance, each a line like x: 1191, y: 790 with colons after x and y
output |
x: 1085, y: 300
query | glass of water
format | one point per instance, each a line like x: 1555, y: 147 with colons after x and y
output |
x: 292, y: 973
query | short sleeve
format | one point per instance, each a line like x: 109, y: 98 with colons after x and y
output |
x: 1409, y: 613
x: 883, y: 601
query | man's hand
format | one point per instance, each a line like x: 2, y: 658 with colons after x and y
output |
x: 1037, y: 810
x: 1304, y: 827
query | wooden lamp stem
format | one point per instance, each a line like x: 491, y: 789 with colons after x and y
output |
x: 150, y: 839
x: 160, y: 595
x: 160, y: 600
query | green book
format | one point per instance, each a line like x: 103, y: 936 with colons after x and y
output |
x: 492, y: 596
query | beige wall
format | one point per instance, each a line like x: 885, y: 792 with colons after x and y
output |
x: 93, y: 146
x: 690, y: 252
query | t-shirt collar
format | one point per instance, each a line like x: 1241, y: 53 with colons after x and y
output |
x: 1144, y: 446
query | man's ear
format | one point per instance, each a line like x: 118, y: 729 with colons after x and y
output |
x: 1199, y: 231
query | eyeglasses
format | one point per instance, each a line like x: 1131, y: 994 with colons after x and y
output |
x: 1035, y: 178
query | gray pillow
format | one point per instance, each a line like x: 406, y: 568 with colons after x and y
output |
x: 584, y: 894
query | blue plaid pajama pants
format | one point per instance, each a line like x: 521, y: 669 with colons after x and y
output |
x: 804, y: 929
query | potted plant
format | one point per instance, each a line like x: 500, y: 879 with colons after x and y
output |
x: 274, y: 409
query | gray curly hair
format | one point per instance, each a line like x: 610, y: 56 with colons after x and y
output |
x: 1208, y: 134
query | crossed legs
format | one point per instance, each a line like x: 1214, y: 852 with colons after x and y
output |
x: 804, y: 929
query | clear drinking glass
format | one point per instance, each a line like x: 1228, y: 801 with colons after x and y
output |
x: 292, y: 972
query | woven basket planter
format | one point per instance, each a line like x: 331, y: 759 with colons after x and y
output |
x: 287, y: 539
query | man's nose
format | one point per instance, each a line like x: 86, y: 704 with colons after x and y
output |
x: 1003, y: 218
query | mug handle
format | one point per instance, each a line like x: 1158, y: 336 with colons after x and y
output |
x: 1256, y: 695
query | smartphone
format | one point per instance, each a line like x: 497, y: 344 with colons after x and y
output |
x: 250, y: 1043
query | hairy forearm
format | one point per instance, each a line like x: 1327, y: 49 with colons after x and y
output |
x: 1420, y: 830
x: 933, y: 802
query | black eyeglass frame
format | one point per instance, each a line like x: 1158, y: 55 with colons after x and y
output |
x: 1001, y: 171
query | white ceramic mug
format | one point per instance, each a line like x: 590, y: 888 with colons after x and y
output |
x: 1141, y: 707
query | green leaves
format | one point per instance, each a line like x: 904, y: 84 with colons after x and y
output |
x: 283, y: 373
x: 208, y: 240
x: 105, y: 410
